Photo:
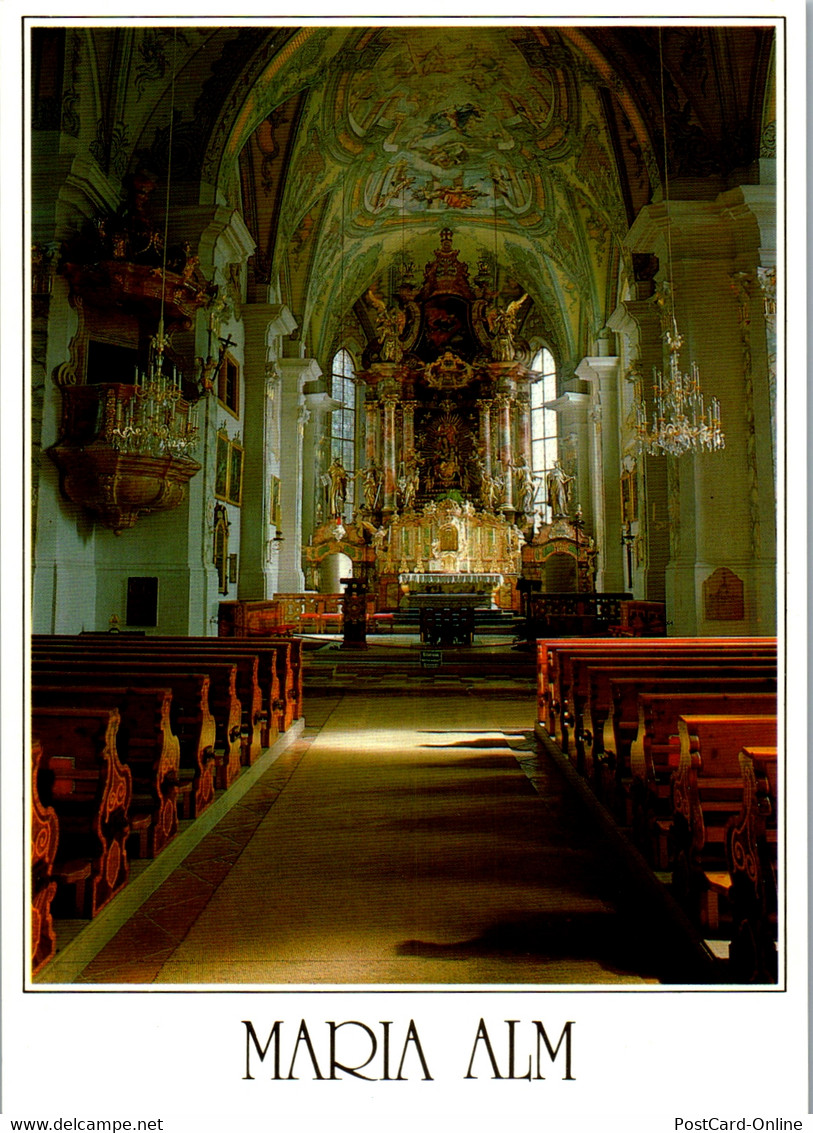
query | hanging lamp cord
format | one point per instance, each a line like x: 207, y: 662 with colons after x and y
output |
x: 169, y: 180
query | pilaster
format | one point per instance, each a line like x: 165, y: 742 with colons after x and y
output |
x: 721, y: 504
x: 605, y: 479
x: 264, y: 325
x: 295, y: 372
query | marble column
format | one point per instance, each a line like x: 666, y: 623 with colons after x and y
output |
x: 506, y: 453
x: 485, y: 407
x: 408, y: 435
x: 295, y: 373
x: 523, y: 403
x: 372, y: 432
x: 390, y: 469
x: 317, y: 457
x: 265, y: 324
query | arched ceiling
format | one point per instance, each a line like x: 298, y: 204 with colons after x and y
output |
x: 348, y: 149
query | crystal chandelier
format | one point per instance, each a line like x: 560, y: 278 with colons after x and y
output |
x: 681, y: 420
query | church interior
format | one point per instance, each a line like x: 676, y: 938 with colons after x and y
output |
x: 403, y: 504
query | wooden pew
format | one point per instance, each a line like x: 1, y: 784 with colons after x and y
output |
x: 751, y: 851
x: 223, y: 700
x: 576, y: 666
x: 82, y: 778
x: 278, y: 677
x: 548, y: 660
x: 280, y: 674
x: 641, y: 619
x: 144, y: 742
x: 44, y: 845
x: 178, y: 651
x: 247, y: 618
x: 608, y: 722
x: 560, y: 668
x: 280, y: 668
x: 707, y: 790
x: 650, y: 770
x: 191, y: 721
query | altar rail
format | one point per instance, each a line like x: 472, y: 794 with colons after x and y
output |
x: 572, y: 615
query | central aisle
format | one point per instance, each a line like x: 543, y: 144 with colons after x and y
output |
x: 407, y: 845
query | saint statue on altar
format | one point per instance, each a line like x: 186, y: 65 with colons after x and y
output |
x: 559, y: 490
x: 336, y: 486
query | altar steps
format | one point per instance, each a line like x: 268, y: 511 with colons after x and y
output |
x: 486, y: 621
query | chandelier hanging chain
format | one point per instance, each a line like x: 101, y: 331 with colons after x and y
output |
x: 160, y: 340
x: 681, y: 422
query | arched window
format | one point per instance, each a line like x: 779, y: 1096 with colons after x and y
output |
x: 544, y: 422
x: 343, y: 421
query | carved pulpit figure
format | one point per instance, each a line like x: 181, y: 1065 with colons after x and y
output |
x: 559, y: 490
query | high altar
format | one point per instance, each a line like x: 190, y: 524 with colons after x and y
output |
x: 448, y: 492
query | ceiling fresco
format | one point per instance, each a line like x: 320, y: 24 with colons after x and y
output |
x: 348, y: 149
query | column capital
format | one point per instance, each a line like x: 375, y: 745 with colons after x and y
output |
x: 598, y: 370
x: 219, y: 233
x: 274, y: 318
x: 296, y: 372
x: 740, y: 220
x: 322, y: 402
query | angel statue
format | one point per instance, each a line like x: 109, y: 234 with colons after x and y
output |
x: 389, y: 327
x: 502, y: 322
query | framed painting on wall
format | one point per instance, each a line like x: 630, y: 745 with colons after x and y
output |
x: 222, y: 467
x: 235, y: 487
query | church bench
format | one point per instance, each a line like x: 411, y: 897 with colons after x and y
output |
x: 555, y: 660
x: 641, y: 619
x: 572, y: 685
x: 191, y: 721
x: 44, y: 844
x: 249, y: 618
x: 280, y: 668
x: 606, y: 716
x: 751, y: 858
x: 280, y: 673
x: 648, y: 787
x: 172, y: 651
x: 548, y: 663
x: 574, y: 667
x: 82, y: 778
x: 246, y: 628
x: 145, y: 743
x: 707, y: 791
x: 224, y: 702
x: 447, y: 625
